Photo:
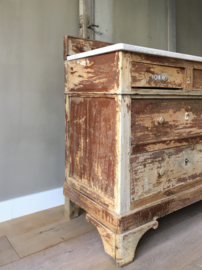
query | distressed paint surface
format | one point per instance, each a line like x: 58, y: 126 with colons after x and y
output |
x: 142, y: 76
x: 197, y: 79
x: 94, y: 74
x: 142, y: 148
x: 122, y: 187
x: 108, y: 237
x: 171, y: 203
x: 98, y: 132
x: 92, y: 194
x: 145, y: 128
x: 107, y: 217
x: 74, y: 45
x: 145, y: 179
x: 93, y: 156
x: 121, y: 247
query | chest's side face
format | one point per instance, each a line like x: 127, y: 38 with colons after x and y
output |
x: 92, y: 137
x: 166, y: 144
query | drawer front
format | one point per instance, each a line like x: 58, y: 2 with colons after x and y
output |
x: 160, y: 170
x: 163, y: 120
x: 197, y: 79
x: 155, y: 76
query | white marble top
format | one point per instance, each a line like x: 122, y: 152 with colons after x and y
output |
x: 133, y: 48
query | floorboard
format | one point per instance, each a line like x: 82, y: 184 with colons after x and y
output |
x: 27, y: 223
x: 47, y: 240
x: 82, y: 252
x: 7, y: 253
x: 47, y: 236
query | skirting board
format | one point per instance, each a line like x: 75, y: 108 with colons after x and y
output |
x: 29, y: 204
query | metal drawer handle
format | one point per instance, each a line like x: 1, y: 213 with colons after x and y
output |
x: 159, y: 77
x: 186, y: 161
x: 186, y: 116
x: 161, y: 120
x: 161, y: 172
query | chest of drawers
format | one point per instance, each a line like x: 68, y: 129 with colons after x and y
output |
x: 133, y: 138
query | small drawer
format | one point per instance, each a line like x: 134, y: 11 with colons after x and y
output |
x: 156, y: 120
x: 156, y: 76
x: 158, y: 171
x: 197, y: 79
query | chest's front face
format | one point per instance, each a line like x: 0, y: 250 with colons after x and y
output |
x: 166, y: 144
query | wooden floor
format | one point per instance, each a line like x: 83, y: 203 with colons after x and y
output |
x: 47, y: 240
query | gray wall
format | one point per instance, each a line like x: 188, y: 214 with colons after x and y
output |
x: 145, y: 23
x: 32, y: 132
x: 32, y: 129
x: 139, y: 22
x: 189, y: 26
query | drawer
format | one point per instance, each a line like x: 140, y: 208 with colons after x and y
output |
x: 156, y: 120
x: 156, y: 76
x: 157, y: 171
x: 197, y: 79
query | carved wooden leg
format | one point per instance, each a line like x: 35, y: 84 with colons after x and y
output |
x: 121, y: 246
x: 71, y: 209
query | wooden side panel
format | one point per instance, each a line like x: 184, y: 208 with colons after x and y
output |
x: 74, y: 45
x: 182, y: 119
x: 93, y: 155
x: 157, y: 171
x: 142, y: 76
x: 98, y: 73
x: 197, y: 79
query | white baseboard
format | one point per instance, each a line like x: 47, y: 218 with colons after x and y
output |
x: 29, y: 204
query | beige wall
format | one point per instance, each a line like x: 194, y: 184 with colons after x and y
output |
x: 32, y: 131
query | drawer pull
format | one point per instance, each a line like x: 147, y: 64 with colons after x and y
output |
x: 186, y: 116
x: 161, y: 172
x: 161, y: 120
x: 186, y: 161
x: 159, y: 77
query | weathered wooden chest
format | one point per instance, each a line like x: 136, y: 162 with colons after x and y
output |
x: 133, y: 138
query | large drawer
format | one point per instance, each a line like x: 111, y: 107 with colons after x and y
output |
x: 158, y: 171
x: 156, y: 76
x: 155, y: 120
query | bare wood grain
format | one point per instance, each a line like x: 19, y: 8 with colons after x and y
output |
x: 26, y: 224
x: 197, y: 79
x: 89, y: 192
x: 107, y: 217
x: 74, y: 45
x: 7, y: 252
x: 98, y: 73
x: 92, y: 141
x: 46, y: 236
x: 82, y: 252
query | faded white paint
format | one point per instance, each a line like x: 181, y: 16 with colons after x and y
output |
x: 122, y: 192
